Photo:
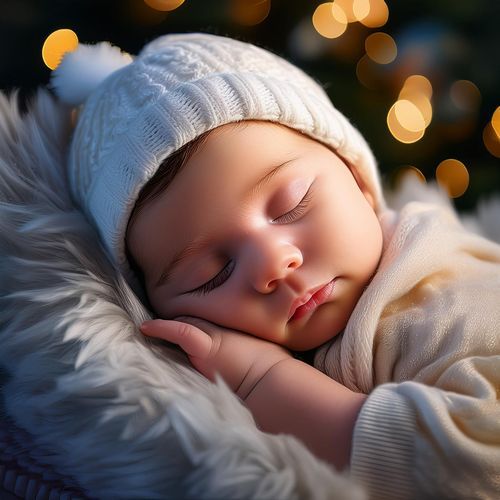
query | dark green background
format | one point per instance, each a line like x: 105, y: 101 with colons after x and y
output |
x: 461, y: 40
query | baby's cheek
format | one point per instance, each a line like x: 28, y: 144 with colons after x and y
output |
x: 166, y: 307
x: 195, y: 306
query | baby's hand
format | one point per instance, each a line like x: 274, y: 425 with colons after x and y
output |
x: 240, y: 359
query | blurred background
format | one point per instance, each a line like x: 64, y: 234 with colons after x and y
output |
x: 419, y: 78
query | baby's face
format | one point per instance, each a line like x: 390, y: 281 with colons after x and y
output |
x: 264, y: 231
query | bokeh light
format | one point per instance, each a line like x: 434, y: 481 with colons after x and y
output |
x: 427, y: 71
x: 360, y: 9
x: 371, y: 13
x: 495, y: 121
x: 347, y: 7
x: 144, y: 15
x: 453, y: 176
x: 422, y: 103
x: 250, y: 12
x: 491, y: 140
x: 405, y: 122
x: 465, y: 95
x: 329, y: 20
x: 381, y: 48
x: 413, y: 110
x: 418, y: 84
x: 409, y: 116
x: 164, y: 5
x: 56, y: 45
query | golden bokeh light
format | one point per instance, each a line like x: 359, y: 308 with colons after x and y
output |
x: 491, y: 140
x: 371, y: 13
x: 495, y: 121
x: 56, y: 45
x: 329, y: 20
x: 347, y: 7
x: 381, y: 48
x: 413, y: 119
x: 420, y: 101
x: 360, y: 9
x: 465, y: 95
x: 144, y: 14
x: 453, y: 176
x: 164, y: 5
x: 409, y: 116
x: 418, y: 84
x: 412, y: 113
x: 250, y: 12
x: 418, y: 90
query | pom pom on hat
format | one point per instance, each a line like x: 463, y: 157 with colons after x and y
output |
x: 84, y: 69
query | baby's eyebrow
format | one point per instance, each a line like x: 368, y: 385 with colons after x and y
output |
x: 270, y: 174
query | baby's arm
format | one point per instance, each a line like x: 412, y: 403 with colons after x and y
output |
x: 295, y: 398
x: 284, y: 394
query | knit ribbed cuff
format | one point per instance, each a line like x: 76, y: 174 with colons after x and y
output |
x: 382, y: 454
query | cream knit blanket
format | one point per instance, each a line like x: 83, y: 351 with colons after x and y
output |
x: 424, y: 342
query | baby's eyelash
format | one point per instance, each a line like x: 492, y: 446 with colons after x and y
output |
x: 296, y: 212
x: 216, y: 281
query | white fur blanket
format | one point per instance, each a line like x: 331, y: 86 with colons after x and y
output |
x: 87, y: 404
x: 86, y: 401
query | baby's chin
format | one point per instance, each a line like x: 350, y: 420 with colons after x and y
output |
x: 323, y: 327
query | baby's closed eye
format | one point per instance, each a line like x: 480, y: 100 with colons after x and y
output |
x: 220, y: 278
x: 297, y: 212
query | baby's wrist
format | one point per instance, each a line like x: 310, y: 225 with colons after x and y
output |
x: 258, y: 372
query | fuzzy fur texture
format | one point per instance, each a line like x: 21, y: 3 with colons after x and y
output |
x: 95, y: 403
x: 81, y: 71
x: 115, y: 414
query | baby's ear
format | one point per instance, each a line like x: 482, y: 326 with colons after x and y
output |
x: 363, y: 187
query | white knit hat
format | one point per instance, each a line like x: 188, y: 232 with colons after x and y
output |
x: 137, y: 112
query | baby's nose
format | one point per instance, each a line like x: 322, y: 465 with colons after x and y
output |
x: 271, y: 262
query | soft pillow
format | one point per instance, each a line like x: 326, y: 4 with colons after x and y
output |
x: 101, y: 409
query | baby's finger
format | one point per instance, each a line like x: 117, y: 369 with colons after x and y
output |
x: 193, y: 341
